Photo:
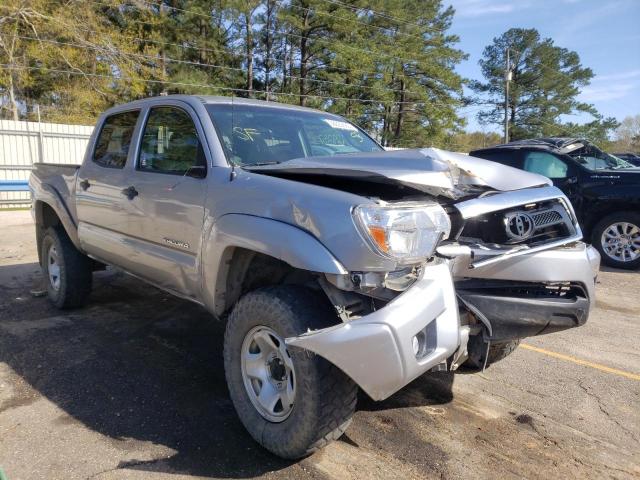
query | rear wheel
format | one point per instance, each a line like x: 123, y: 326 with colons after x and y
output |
x: 617, y: 238
x: 291, y: 401
x: 66, y: 270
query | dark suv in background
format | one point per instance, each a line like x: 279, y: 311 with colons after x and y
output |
x: 629, y: 157
x: 604, y: 190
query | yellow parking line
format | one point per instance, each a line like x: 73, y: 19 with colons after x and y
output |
x: 579, y: 361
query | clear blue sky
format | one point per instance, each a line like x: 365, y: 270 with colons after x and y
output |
x: 605, y: 33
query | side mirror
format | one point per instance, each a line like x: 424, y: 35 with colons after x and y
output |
x: 571, y: 180
x: 197, y: 171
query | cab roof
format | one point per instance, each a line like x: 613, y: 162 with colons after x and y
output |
x: 208, y: 100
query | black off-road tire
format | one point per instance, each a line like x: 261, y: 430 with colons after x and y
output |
x: 602, y: 225
x: 325, y: 398
x: 497, y: 352
x: 75, y: 278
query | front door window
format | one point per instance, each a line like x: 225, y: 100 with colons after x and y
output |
x: 170, y: 143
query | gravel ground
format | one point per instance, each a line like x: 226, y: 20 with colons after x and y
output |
x: 132, y: 387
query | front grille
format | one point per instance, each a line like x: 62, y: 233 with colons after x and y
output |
x: 531, y: 224
x: 549, y: 217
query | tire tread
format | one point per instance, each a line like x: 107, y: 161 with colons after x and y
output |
x: 336, y: 392
x: 77, y: 271
x: 497, y: 351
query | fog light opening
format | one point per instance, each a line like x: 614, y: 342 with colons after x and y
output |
x: 424, y: 342
x: 420, y: 344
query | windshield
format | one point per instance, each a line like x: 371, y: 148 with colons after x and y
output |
x: 256, y: 135
x: 595, y: 159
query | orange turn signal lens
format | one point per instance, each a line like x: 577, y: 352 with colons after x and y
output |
x: 379, y: 235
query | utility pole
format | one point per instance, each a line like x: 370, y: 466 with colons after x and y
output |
x: 507, y: 79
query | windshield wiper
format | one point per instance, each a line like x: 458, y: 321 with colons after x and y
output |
x: 260, y: 164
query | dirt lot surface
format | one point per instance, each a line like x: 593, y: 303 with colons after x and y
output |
x: 132, y: 387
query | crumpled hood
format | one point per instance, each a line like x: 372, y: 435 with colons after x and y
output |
x: 429, y: 170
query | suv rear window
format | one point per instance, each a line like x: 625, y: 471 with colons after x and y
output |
x: 114, y: 140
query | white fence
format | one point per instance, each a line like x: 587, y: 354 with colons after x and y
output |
x: 24, y: 143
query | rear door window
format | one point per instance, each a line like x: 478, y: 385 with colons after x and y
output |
x: 545, y: 164
x: 114, y: 141
x: 170, y: 143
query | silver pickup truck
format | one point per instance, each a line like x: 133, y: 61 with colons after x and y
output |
x: 335, y: 265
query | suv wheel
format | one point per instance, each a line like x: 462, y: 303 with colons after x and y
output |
x: 66, y: 270
x: 291, y: 401
x: 617, y: 238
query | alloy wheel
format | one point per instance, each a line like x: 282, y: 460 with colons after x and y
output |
x: 621, y: 241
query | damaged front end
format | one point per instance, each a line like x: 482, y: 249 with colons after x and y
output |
x: 505, y: 264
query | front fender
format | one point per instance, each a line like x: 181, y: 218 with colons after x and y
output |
x: 277, y: 239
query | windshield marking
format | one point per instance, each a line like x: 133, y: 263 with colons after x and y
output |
x: 340, y: 125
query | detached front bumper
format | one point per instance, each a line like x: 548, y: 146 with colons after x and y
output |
x: 377, y: 350
x: 576, y: 263
x: 535, y: 294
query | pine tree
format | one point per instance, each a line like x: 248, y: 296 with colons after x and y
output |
x: 388, y: 64
x: 546, y: 80
x: 415, y: 80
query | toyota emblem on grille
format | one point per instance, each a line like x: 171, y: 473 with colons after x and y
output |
x: 518, y: 225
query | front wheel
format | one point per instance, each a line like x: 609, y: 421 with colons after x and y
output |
x: 291, y: 401
x: 497, y: 351
x: 617, y: 238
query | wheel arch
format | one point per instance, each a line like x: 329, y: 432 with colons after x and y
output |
x: 245, y: 251
x: 47, y: 215
x: 245, y: 270
x: 600, y: 210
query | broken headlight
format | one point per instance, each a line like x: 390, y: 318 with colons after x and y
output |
x: 406, y: 232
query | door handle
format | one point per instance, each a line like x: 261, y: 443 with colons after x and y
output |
x: 84, y: 184
x: 130, y: 192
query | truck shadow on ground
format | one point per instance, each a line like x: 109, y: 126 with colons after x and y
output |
x: 139, y: 365
x: 429, y: 389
